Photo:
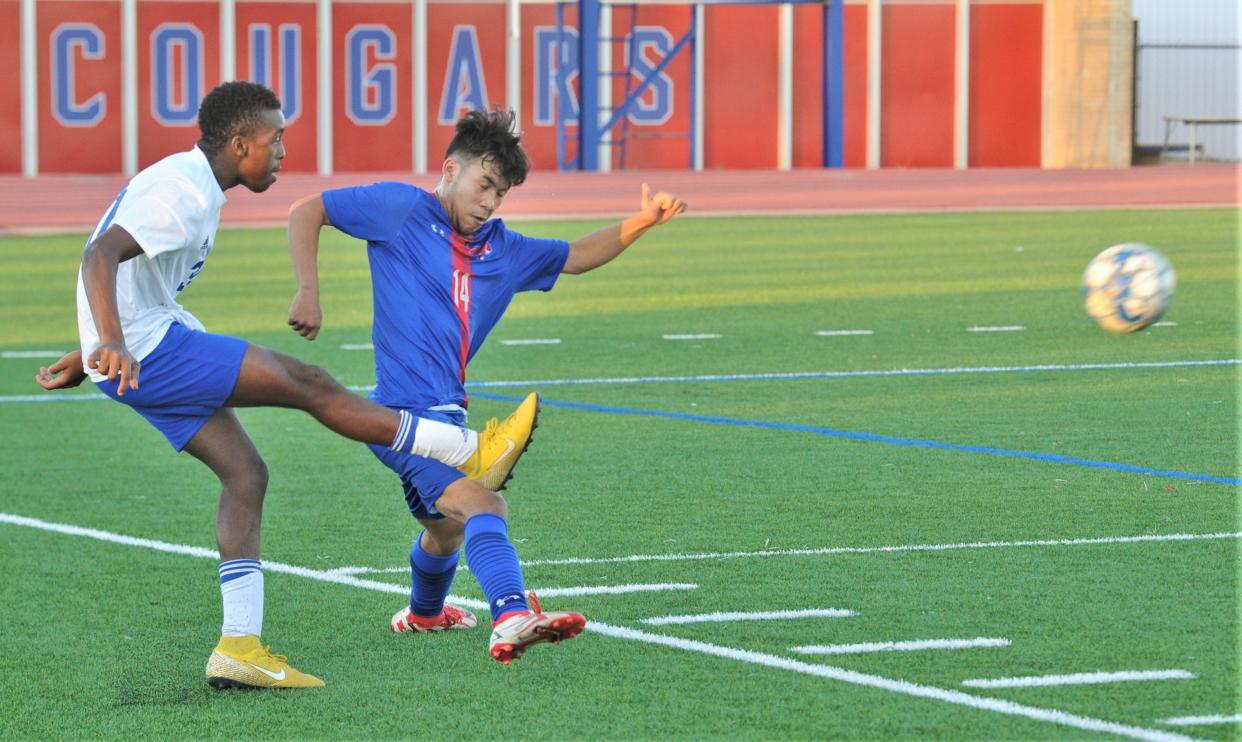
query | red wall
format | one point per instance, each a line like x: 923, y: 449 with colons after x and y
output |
x: 10, y: 89
x: 855, y: 85
x: 649, y: 145
x: 916, y: 93
x: 808, y: 86
x: 81, y: 149
x: 301, y: 136
x: 539, y: 139
x: 157, y: 140
x: 740, y: 107
x: 1006, y: 70
x: 489, y: 31
x: 386, y: 146
x: 740, y: 116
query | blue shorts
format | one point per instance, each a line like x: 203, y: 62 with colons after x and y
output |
x: 423, y: 479
x: 182, y: 383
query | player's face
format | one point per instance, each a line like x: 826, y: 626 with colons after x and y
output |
x: 470, y: 192
x: 262, y: 153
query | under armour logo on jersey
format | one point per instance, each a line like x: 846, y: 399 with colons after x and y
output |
x: 438, y: 230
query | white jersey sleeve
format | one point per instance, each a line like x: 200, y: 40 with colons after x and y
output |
x: 163, y: 215
x: 172, y: 210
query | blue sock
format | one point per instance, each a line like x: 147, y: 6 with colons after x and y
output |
x: 494, y: 562
x: 431, y: 577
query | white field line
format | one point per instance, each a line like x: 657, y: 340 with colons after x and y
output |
x: 833, y: 550
x: 699, y: 336
x: 880, y: 373
x: 1079, y: 678
x: 907, y: 646
x: 1165, y: 324
x: 553, y: 592
x: 841, y: 333
x: 752, y: 616
x: 740, y: 655
x: 198, y: 551
x: 901, y: 687
x: 996, y: 328
x: 32, y: 354
x: 532, y: 341
x: 357, y: 346
x: 1195, y: 721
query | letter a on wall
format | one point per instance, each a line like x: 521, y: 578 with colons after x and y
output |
x: 464, y: 89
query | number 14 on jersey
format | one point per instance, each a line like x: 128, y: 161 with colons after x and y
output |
x: 461, y: 290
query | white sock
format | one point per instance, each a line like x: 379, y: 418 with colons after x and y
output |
x: 444, y: 442
x: 243, y: 597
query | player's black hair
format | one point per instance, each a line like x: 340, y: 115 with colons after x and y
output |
x: 230, y: 109
x: 491, y: 137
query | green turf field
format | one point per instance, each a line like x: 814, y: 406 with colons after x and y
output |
x: 1068, y: 495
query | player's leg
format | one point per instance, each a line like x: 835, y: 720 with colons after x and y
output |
x: 239, y: 660
x: 433, y: 565
x: 493, y: 560
x: 223, y: 445
x: 269, y: 378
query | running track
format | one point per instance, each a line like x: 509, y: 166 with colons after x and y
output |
x: 73, y: 203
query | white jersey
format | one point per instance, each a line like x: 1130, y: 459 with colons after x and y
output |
x: 172, y: 209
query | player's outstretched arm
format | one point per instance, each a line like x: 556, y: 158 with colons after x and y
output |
x: 100, y: 262
x: 306, y: 217
x: 602, y: 246
x: 64, y: 374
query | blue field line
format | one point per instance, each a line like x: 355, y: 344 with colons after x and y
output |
x: 877, y: 438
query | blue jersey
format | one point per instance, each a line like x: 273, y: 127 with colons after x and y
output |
x: 436, y: 294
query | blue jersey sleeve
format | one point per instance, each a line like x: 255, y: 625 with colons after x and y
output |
x: 373, y: 213
x: 540, y: 261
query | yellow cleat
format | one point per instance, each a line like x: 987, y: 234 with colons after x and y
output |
x: 241, y: 662
x: 502, y: 444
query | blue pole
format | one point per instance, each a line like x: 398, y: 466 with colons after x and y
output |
x: 834, y: 84
x: 562, y: 60
x: 694, y: 73
x: 588, y: 84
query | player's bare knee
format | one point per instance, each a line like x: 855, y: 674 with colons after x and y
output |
x: 441, y: 537
x: 311, y: 376
x: 248, y: 479
x: 466, y: 498
x: 314, y: 382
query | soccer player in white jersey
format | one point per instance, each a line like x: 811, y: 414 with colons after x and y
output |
x: 442, y: 274
x: 151, y: 243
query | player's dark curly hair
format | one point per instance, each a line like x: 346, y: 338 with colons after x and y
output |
x: 230, y: 109
x: 492, y: 137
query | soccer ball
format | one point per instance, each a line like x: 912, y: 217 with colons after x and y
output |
x: 1128, y: 287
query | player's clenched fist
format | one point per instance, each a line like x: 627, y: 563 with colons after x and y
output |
x: 305, y: 314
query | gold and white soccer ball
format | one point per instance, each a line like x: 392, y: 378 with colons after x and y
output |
x: 1128, y: 287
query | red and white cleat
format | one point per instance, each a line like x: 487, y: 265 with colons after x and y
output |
x: 449, y: 618
x: 511, y: 637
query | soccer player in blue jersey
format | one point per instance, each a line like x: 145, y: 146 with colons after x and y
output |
x: 442, y: 274
x: 151, y: 243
